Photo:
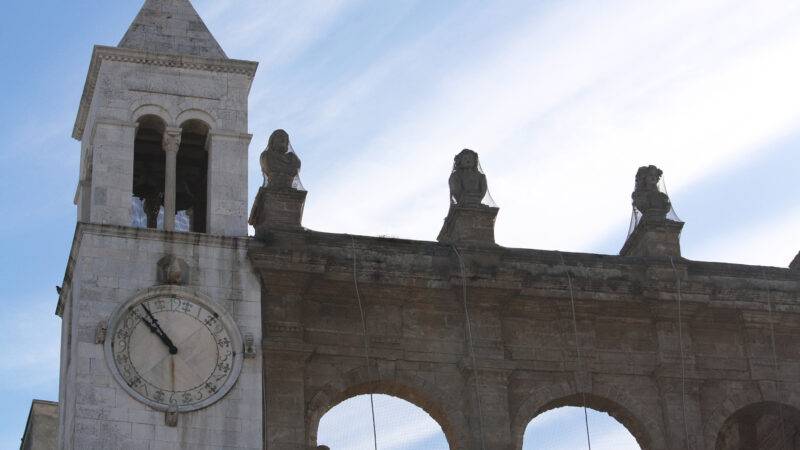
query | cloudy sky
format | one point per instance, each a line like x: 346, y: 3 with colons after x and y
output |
x: 563, y: 100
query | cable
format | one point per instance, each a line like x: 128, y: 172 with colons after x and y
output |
x: 471, y: 347
x: 774, y: 358
x: 578, y: 351
x: 366, y: 345
x: 680, y: 343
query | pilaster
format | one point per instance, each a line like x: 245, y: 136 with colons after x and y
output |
x: 284, y: 395
x: 112, y: 172
x: 227, y: 183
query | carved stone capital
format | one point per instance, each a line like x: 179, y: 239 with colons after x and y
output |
x: 172, y: 140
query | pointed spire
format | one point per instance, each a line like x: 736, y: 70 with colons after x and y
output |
x: 171, y: 26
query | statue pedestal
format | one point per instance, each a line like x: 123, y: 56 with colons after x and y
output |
x: 277, y: 208
x: 469, y: 224
x: 654, y: 238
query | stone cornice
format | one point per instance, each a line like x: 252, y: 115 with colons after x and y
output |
x: 103, y: 53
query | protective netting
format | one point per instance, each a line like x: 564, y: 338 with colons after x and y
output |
x: 636, y: 215
x: 401, y: 425
x: 296, y: 183
x: 478, y: 182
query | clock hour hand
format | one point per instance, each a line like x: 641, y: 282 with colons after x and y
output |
x: 156, y: 329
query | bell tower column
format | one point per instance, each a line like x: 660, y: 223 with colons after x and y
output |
x: 172, y: 141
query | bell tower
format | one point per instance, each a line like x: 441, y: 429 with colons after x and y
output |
x: 163, y: 127
x: 160, y: 308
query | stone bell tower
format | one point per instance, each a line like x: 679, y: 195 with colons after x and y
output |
x: 159, y: 255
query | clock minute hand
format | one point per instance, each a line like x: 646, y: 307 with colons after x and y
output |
x: 156, y: 329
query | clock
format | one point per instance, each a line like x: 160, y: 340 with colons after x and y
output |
x: 172, y: 346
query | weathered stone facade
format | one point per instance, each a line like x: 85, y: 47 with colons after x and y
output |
x: 685, y: 354
x: 519, y: 305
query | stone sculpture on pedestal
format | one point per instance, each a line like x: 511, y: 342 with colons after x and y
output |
x: 279, y: 202
x: 652, y: 233
x: 468, y: 220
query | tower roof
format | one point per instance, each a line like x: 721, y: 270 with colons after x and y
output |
x: 171, y: 26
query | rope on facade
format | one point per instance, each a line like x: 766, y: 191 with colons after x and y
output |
x: 366, y: 345
x: 680, y: 343
x: 469, y: 341
x: 774, y: 358
x: 578, y: 351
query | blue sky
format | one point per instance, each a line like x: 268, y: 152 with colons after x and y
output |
x: 562, y: 100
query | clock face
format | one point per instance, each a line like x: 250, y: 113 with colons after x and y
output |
x: 172, y: 348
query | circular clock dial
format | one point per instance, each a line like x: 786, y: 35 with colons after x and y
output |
x: 174, y: 349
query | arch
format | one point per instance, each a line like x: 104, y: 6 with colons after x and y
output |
x: 618, y: 404
x: 412, y: 389
x: 150, y: 109
x: 191, y: 177
x: 762, y: 425
x: 739, y: 401
x: 196, y: 114
x: 148, y: 169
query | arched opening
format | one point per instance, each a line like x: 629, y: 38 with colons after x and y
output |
x: 147, y: 209
x: 192, y: 177
x: 424, y: 403
x: 561, y: 424
x: 399, y: 425
x: 761, y: 426
x: 565, y: 428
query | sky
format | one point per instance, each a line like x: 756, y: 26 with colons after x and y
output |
x: 563, y: 101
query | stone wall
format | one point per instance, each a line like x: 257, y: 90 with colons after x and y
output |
x: 110, y: 264
x: 627, y: 320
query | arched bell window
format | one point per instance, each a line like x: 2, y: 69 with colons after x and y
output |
x: 147, y: 210
x: 170, y: 175
x: 192, y: 178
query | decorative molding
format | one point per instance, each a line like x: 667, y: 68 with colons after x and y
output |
x: 103, y: 53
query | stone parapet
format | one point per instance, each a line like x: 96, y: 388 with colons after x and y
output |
x: 469, y: 224
x: 654, y: 238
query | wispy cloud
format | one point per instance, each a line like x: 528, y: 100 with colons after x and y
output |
x: 562, y: 111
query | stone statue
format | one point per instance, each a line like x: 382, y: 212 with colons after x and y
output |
x: 278, y: 164
x: 467, y: 183
x: 652, y: 203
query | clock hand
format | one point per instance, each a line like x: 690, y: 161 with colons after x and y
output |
x: 156, y: 329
